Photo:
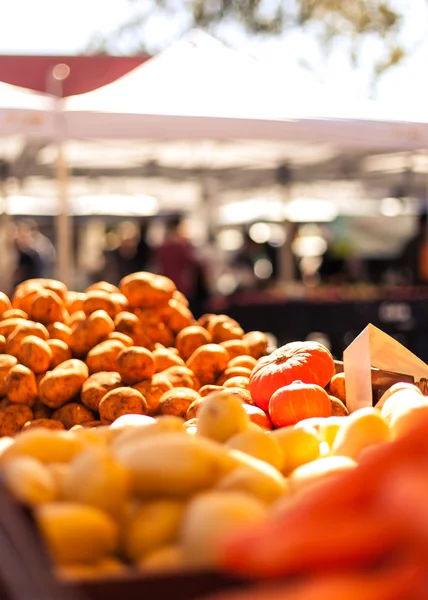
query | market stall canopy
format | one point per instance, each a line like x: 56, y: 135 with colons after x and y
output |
x: 24, y: 113
x: 201, y: 89
x: 86, y: 72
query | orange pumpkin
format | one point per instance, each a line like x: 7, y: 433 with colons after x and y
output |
x: 309, y: 362
x: 297, y: 401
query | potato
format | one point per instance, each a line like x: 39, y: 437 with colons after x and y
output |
x: 73, y: 414
x: 21, y: 386
x: 106, y: 567
x: 338, y: 408
x: 164, y: 359
x: 177, y: 401
x: 221, y: 416
x: 213, y: 516
x: 299, y: 446
x: 100, y: 300
x: 154, y: 328
x: 177, y: 316
x: 29, y: 481
x: 122, y: 401
x: 181, y: 377
x: 2, y: 344
x: 237, y: 382
x: 59, y: 331
x: 206, y: 390
x: 122, y: 440
x: 129, y: 421
x: 233, y: 372
x: 135, y: 364
x: 208, y: 362
x: 146, y: 290
x: 337, y: 387
x: 180, y: 297
x: 191, y: 426
x: 40, y: 410
x: 5, y: 303
x: 192, y: 411
x: 190, y: 339
x: 197, y: 465
x: 103, y: 357
x: 60, y: 352
x: 74, y: 302
x: 8, y: 325
x: 45, y: 424
x: 13, y: 313
x: 152, y: 390
x: 97, y: 386
x: 259, y: 444
x: 122, y: 337
x: 58, y: 287
x: 96, y: 479
x: 257, y: 343
x: 100, y: 323
x: 63, y: 383
x: 104, y: 286
x: 35, y: 354
x: 163, y: 560
x: 236, y: 348
x: 76, y: 533
x: 14, y: 340
x: 241, y: 393
x: 13, y: 418
x: 75, y: 318
x: 318, y: 470
x: 129, y: 324
x: 254, y: 477
x: 363, y: 428
x: 6, y: 363
x: 151, y: 526
x: 24, y: 296
x: 205, y: 319
x: 248, y: 362
x: 46, y: 446
x: 47, y: 307
x: 223, y: 328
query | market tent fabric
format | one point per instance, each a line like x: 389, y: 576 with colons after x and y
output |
x: 201, y: 89
x: 86, y: 72
x: 25, y: 113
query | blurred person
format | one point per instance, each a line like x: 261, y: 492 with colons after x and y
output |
x: 44, y: 248
x: 414, y: 257
x: 28, y: 260
x: 176, y: 258
x: 127, y: 254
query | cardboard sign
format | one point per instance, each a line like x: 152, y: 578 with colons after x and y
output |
x: 374, y: 348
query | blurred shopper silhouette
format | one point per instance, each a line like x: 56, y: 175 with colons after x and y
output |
x: 176, y: 258
x: 28, y: 260
x: 414, y: 258
x: 45, y: 249
x: 130, y: 252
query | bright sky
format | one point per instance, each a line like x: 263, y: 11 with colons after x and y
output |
x: 65, y: 26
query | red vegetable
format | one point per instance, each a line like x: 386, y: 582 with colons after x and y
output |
x: 309, y: 362
x: 297, y: 401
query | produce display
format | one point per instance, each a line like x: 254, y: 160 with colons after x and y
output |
x: 144, y: 439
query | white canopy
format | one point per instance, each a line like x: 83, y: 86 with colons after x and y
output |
x: 200, y: 89
x: 26, y: 113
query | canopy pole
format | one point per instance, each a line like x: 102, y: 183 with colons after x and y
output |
x: 287, y: 270
x: 64, y: 235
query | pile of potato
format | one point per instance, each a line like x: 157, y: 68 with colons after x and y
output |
x: 72, y: 359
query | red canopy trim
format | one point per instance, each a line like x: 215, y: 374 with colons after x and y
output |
x: 87, y: 73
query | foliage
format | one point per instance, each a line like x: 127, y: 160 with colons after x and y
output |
x: 355, y: 21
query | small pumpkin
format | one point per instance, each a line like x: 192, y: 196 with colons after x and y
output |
x: 297, y: 401
x: 309, y: 362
